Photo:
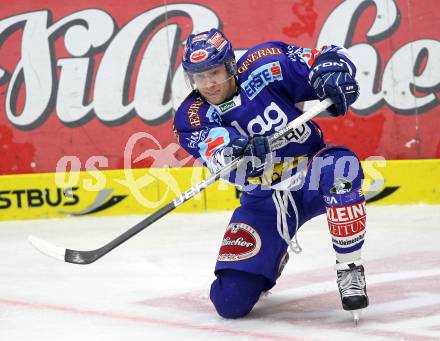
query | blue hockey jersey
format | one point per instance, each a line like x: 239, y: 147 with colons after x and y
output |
x: 272, y: 78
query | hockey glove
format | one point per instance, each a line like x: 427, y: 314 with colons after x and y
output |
x: 330, y: 77
x: 255, y: 150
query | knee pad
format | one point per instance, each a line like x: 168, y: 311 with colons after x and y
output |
x: 340, y: 176
x: 234, y: 293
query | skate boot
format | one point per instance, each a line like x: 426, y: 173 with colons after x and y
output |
x: 352, y: 287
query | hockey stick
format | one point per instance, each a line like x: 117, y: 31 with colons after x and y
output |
x: 87, y: 257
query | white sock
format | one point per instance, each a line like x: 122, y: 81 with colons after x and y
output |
x: 348, y: 257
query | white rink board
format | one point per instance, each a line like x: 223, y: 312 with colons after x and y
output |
x: 156, y: 285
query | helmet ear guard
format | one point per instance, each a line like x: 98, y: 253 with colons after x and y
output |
x: 231, y: 66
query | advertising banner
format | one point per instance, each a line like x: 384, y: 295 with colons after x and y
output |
x: 140, y: 191
x: 88, y: 90
x: 79, y: 79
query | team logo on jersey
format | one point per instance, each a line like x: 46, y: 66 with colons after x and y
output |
x: 330, y: 200
x: 257, y: 55
x: 212, y: 145
x: 261, y: 77
x: 346, y: 225
x: 229, y: 105
x: 274, y: 118
x: 341, y: 186
x: 216, y: 139
x: 240, y: 242
x: 193, y: 112
x: 351, y: 196
x: 225, y: 107
x: 304, y: 55
x: 213, y: 115
x: 276, y: 70
x: 195, y: 138
x: 198, y: 56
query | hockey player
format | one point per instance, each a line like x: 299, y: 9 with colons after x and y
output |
x: 233, y: 108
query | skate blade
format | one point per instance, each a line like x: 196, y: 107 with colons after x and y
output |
x: 356, y: 316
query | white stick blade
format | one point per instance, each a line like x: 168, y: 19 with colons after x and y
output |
x: 47, y: 248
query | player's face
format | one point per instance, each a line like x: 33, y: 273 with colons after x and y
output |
x: 215, y: 84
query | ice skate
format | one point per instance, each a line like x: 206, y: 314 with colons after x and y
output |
x: 352, y: 287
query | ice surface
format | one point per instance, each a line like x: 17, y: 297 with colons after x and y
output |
x: 155, y: 286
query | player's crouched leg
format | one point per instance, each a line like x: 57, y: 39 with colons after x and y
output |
x: 234, y: 293
x: 340, y: 182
